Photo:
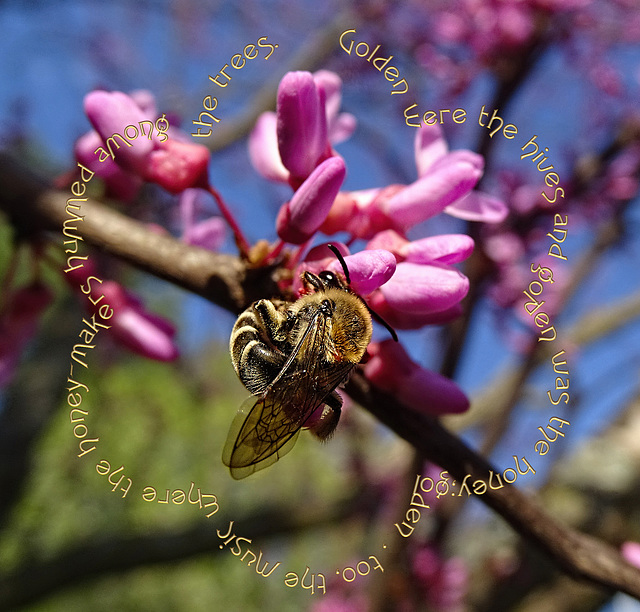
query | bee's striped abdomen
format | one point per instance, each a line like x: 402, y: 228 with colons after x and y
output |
x: 255, y: 357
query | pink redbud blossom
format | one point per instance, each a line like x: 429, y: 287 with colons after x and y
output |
x: 142, y: 332
x: 336, y: 602
x: 478, y: 206
x: 391, y: 369
x: 178, y: 165
x: 110, y: 113
x: 424, y: 289
x: 445, y: 581
x: 263, y: 149
x: 368, y: 269
x: 443, y: 249
x: 145, y: 100
x: 208, y: 234
x: 631, y: 552
x: 420, y: 294
x: 400, y: 319
x: 301, y: 125
x: 448, y: 179
x: 429, y: 146
x: 431, y: 151
x: 174, y: 163
x: 301, y: 217
x: 132, y: 326
x: 339, y: 125
x: 303, y: 149
x: 18, y: 325
x: 120, y: 183
x: 444, y: 184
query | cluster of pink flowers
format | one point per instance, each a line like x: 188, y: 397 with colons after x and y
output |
x: 165, y: 157
x: 174, y: 163
x: 162, y: 155
x: 408, y: 283
x: 524, y: 237
x: 456, y: 40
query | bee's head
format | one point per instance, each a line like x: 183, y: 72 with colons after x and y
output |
x: 322, y: 281
x: 326, y: 279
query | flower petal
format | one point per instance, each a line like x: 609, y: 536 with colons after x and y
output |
x: 391, y: 368
x: 424, y: 289
x: 300, y: 218
x: 429, y: 146
x: 631, y: 552
x: 478, y: 206
x: 399, y: 319
x: 368, y: 269
x: 442, y: 185
x: 178, y: 165
x: 140, y: 331
x: 19, y: 323
x: 342, y: 127
x: 301, y: 123
x: 208, y: 234
x: 263, y: 149
x: 120, y: 183
x: 110, y: 113
x: 339, y: 125
x: 389, y: 240
x: 444, y: 249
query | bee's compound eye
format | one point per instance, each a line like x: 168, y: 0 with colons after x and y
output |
x: 329, y: 278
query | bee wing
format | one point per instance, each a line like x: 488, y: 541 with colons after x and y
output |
x: 266, y: 428
x: 257, y: 438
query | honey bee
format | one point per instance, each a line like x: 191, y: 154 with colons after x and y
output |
x: 291, y: 356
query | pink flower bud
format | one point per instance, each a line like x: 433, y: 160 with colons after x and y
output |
x: 391, y: 369
x: 135, y: 328
x: 429, y: 146
x: 631, y: 552
x: 424, y: 289
x: 444, y: 249
x: 301, y: 125
x: 119, y: 183
x: 300, y: 218
x: 209, y: 233
x: 399, y: 319
x: 478, y: 206
x: 178, y: 165
x: 339, y: 125
x: 447, y: 180
x: 110, y: 113
x: 368, y: 269
x: 132, y: 326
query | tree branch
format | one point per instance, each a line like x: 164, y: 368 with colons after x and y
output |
x: 223, y: 280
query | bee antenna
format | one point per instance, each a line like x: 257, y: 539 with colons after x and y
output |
x: 343, y: 263
x: 380, y: 320
x: 374, y: 314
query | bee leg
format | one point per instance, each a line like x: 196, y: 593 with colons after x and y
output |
x: 328, y: 422
x: 260, y: 366
x: 275, y: 323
